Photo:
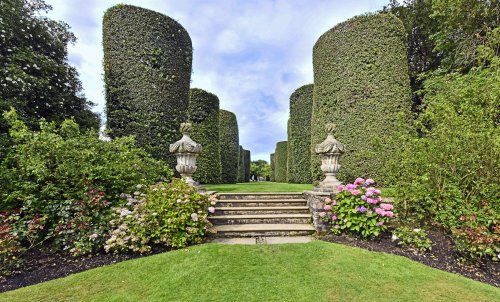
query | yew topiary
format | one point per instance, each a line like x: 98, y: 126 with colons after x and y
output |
x: 203, y: 113
x: 229, y: 146
x: 248, y: 161
x: 241, y: 165
x: 361, y: 84
x: 280, y: 161
x: 271, y: 160
x: 147, y: 71
x: 299, y: 135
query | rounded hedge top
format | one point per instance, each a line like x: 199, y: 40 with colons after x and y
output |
x: 361, y: 83
x: 229, y: 146
x: 299, y: 135
x: 147, y: 71
x: 203, y: 113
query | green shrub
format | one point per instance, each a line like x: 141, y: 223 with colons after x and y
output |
x: 414, y: 238
x: 241, y: 165
x: 280, y: 162
x: 447, y: 167
x: 361, y: 84
x: 147, y: 71
x: 271, y: 160
x: 203, y: 113
x: 229, y: 146
x: 299, y: 135
x: 173, y: 214
x: 60, y: 184
x: 248, y: 161
x: 358, y: 209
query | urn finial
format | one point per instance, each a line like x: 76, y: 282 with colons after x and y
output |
x: 186, y: 150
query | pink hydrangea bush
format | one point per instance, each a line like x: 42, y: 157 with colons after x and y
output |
x: 359, y: 208
x: 173, y: 214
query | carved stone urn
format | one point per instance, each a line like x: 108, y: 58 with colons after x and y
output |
x: 330, y: 151
x: 186, y: 151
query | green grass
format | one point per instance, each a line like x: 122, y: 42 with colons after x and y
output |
x: 316, y: 271
x: 252, y: 187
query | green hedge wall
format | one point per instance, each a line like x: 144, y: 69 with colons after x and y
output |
x: 280, y: 161
x: 147, y: 71
x: 241, y: 165
x: 248, y: 161
x: 271, y: 160
x: 203, y: 113
x: 229, y: 146
x: 299, y: 135
x: 361, y: 83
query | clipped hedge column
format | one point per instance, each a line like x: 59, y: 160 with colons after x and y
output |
x: 241, y: 165
x: 361, y: 83
x: 299, y: 135
x: 203, y: 113
x: 280, y: 161
x: 248, y: 161
x: 229, y: 146
x: 147, y: 71
x: 271, y: 160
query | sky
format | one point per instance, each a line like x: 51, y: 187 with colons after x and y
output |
x: 252, y: 54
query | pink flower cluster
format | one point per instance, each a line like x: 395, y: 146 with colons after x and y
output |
x: 384, y: 213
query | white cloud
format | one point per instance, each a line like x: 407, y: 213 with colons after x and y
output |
x: 252, y: 54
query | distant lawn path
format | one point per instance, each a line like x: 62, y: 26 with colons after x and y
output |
x: 316, y: 271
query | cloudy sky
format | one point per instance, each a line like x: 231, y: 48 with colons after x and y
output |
x: 251, y: 53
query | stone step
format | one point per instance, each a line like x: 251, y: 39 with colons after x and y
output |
x: 261, y: 202
x: 263, y: 230
x: 261, y: 210
x: 225, y: 196
x: 261, y: 218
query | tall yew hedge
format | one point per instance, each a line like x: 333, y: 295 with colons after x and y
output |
x: 203, y: 113
x: 280, y: 161
x: 147, y: 71
x: 299, y: 135
x: 241, y: 164
x: 361, y: 83
x: 229, y: 146
x: 248, y: 161
x: 271, y: 163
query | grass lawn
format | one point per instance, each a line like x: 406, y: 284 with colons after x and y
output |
x: 259, y: 186
x: 316, y: 271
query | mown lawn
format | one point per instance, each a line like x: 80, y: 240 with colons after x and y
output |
x: 316, y: 271
x: 259, y: 186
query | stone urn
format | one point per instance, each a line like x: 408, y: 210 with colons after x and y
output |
x: 330, y: 151
x: 186, y: 151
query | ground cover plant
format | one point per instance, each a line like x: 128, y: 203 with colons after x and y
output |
x: 271, y: 272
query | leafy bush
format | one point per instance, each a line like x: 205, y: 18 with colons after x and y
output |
x: 299, y: 135
x: 147, y: 72
x: 203, y: 113
x: 361, y: 83
x: 173, y: 214
x: 58, y: 184
x: 359, y: 209
x: 447, y: 167
x: 229, y: 145
x: 414, y: 238
x: 280, y: 162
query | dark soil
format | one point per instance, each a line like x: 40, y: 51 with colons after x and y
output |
x: 40, y: 266
x: 441, y: 257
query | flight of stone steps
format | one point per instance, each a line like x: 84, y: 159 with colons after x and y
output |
x: 261, y: 215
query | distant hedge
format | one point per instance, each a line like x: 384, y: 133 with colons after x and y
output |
x: 147, y: 71
x: 280, y: 161
x: 229, y: 145
x: 361, y: 83
x: 203, y: 113
x: 241, y: 165
x: 271, y: 160
x: 248, y: 161
x: 299, y: 135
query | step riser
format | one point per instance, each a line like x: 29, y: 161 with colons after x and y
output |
x: 259, y: 220
x: 255, y: 212
x: 277, y: 203
x: 263, y: 234
x: 267, y: 197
